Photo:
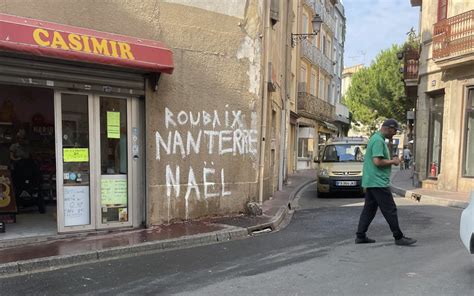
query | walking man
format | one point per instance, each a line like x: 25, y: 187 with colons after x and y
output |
x: 376, y: 179
x: 406, y: 157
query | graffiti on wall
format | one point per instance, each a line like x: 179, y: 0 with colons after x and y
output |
x: 209, y: 136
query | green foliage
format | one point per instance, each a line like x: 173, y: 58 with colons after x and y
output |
x: 378, y: 91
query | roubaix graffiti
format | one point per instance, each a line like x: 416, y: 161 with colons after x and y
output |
x: 212, y: 136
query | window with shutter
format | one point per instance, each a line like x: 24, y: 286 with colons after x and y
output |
x: 442, y: 9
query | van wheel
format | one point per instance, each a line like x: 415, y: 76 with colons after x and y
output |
x: 322, y: 194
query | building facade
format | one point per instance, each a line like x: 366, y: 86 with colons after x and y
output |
x: 196, y: 128
x: 160, y: 111
x: 317, y: 78
x: 347, y: 74
x: 444, y: 87
x: 342, y: 120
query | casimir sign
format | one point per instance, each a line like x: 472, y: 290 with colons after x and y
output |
x: 41, y: 38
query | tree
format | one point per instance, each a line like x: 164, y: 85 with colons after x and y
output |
x: 358, y: 95
x: 378, y: 91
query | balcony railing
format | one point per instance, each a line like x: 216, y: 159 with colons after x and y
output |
x: 411, y: 64
x: 312, y: 107
x: 454, y: 37
x: 316, y: 57
x: 319, y: 8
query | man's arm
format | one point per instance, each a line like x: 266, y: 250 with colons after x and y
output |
x: 381, y: 162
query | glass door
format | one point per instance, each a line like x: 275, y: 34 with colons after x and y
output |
x: 74, y: 162
x: 436, y: 136
x: 92, y: 149
x: 113, y: 151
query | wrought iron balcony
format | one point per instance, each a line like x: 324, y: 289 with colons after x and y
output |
x: 411, y: 62
x: 312, y: 107
x: 327, y: 18
x: 453, y: 38
x: 314, y: 54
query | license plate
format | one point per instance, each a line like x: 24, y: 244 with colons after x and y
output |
x: 346, y: 183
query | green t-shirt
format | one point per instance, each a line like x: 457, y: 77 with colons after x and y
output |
x: 372, y: 175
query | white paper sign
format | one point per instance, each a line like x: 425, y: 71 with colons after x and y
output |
x: 76, y: 205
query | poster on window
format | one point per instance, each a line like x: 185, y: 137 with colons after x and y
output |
x: 76, y: 205
x: 113, y: 125
x: 113, y: 190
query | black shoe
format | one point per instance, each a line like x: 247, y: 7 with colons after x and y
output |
x: 364, y: 240
x: 405, y: 241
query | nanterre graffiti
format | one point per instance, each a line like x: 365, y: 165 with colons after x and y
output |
x: 212, y: 136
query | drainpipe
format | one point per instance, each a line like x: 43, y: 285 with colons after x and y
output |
x: 263, y: 128
x: 296, y: 144
x: 281, y: 174
x: 283, y: 131
x: 285, y: 119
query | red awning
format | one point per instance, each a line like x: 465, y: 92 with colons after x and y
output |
x: 79, y: 44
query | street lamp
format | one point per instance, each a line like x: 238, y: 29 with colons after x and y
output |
x: 316, y: 22
x: 400, y: 55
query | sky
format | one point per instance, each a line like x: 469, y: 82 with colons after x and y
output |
x: 374, y: 25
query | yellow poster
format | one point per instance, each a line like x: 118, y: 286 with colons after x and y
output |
x: 113, y: 190
x: 113, y: 125
x: 76, y: 154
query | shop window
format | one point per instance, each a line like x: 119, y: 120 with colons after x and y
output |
x: 305, y: 147
x: 27, y: 153
x: 469, y: 137
x: 435, y: 135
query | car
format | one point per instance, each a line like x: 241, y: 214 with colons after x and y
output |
x: 340, y: 166
x: 466, y: 229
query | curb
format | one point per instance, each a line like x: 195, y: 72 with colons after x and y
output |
x: 282, y: 213
x: 56, y: 262
x: 232, y: 233
x: 426, y: 199
x: 398, y: 191
x: 297, y: 190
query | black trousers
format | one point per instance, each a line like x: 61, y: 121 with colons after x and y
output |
x: 379, y: 198
x: 407, y: 163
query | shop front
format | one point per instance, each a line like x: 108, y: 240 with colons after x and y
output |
x: 72, y: 126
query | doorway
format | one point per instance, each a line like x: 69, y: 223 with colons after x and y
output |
x: 28, y: 194
x: 95, y: 158
x: 435, y: 136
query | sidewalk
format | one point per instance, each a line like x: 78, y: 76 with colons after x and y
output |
x: 66, y: 250
x: 403, y: 184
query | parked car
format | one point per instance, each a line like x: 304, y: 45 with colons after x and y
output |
x: 467, y: 226
x: 340, y: 166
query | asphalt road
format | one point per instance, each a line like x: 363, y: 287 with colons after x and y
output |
x: 314, y: 255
